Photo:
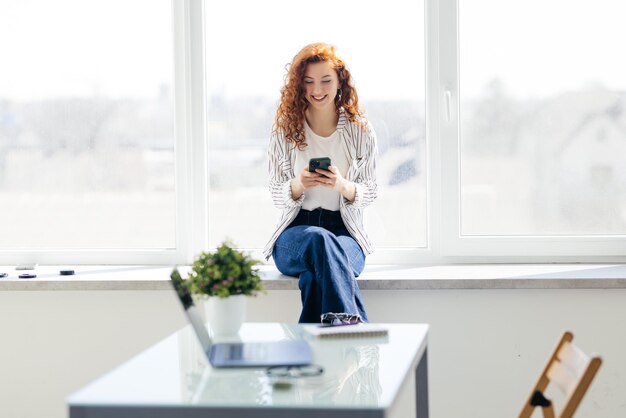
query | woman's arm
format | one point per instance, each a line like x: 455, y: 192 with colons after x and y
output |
x: 366, y: 188
x: 363, y: 190
x: 281, y: 174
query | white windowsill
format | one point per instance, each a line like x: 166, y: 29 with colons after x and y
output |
x: 375, y: 277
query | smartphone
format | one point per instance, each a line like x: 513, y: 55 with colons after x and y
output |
x: 322, y: 162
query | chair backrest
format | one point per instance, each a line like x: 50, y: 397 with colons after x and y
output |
x: 570, y: 370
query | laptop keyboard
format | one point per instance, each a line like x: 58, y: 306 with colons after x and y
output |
x: 235, y: 351
x: 246, y: 351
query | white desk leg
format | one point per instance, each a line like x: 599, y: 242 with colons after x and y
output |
x: 421, y: 386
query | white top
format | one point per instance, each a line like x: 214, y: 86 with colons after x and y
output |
x: 320, y: 146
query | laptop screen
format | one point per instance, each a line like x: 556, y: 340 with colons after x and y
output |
x: 191, y: 310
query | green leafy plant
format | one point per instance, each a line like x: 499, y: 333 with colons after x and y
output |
x: 225, y: 272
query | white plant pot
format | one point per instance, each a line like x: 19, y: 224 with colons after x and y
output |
x: 225, y: 315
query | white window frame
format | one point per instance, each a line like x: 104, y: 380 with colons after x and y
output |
x: 445, y: 243
x: 578, y: 248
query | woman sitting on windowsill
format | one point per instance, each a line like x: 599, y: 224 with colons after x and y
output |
x: 320, y: 236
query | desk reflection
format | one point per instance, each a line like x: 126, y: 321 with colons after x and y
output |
x: 351, y: 376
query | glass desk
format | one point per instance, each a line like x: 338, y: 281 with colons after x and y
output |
x: 363, y: 377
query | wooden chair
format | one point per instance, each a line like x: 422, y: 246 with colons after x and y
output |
x: 572, y: 371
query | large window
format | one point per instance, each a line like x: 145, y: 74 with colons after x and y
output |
x: 543, y: 118
x: 531, y: 129
x: 136, y: 132
x: 248, y: 45
x: 86, y: 125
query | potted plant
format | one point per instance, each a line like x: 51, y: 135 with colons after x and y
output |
x: 225, y: 277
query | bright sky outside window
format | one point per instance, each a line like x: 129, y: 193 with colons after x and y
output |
x: 543, y: 118
x: 86, y: 125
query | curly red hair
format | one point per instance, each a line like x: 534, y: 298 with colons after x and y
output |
x: 290, y: 113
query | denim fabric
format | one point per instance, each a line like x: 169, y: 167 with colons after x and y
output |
x: 318, y: 249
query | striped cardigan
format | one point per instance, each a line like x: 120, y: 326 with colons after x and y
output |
x: 360, y: 146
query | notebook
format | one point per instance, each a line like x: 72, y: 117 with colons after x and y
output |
x: 347, y: 331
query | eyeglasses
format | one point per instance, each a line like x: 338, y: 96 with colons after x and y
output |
x: 294, y: 371
x: 331, y: 318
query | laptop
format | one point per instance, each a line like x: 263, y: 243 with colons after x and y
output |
x: 257, y: 354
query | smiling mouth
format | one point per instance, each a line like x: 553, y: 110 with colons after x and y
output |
x: 320, y: 99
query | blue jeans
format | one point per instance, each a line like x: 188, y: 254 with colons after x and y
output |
x: 318, y: 249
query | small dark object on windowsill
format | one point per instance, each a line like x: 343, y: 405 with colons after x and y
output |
x: 3, y: 274
x: 66, y: 272
x: 27, y: 276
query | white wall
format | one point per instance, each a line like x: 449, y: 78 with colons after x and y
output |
x: 55, y: 342
x: 486, y: 347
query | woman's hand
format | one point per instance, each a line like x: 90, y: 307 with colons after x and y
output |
x: 333, y: 179
x: 330, y: 178
x: 305, y: 180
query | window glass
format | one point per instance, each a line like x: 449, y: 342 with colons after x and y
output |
x: 86, y: 124
x: 543, y: 117
x: 249, y: 44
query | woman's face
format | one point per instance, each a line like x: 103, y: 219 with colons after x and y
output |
x: 321, y: 84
